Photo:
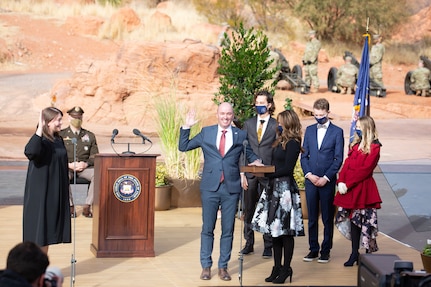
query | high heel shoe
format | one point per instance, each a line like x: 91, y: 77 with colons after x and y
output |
x: 352, y: 259
x: 284, y: 274
x: 274, y: 274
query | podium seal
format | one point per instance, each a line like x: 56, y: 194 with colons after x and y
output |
x: 127, y: 188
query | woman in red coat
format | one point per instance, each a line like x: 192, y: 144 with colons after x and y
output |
x: 358, y: 197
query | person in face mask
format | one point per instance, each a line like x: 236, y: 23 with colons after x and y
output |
x: 261, y: 132
x: 358, y: 197
x: 322, y: 158
x: 86, y: 148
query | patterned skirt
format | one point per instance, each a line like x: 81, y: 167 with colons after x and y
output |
x: 365, y: 219
x: 278, y: 211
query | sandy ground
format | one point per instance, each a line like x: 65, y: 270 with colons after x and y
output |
x: 50, y: 53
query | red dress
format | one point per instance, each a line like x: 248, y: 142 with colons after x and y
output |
x: 357, y: 174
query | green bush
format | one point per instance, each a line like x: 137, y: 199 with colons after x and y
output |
x: 298, y: 175
x: 427, y: 248
x: 244, y: 70
x: 161, y: 175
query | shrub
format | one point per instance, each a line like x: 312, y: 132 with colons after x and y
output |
x: 162, y: 178
x: 244, y: 69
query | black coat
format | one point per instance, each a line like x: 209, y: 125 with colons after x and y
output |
x: 9, y: 278
x: 46, y: 217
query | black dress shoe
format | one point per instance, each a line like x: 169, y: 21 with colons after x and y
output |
x: 267, y: 253
x: 247, y: 250
x: 206, y: 273
x: 311, y: 256
x: 324, y: 258
x: 223, y: 274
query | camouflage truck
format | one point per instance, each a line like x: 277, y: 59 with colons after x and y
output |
x: 375, y: 88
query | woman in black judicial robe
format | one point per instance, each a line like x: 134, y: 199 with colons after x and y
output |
x: 46, y: 215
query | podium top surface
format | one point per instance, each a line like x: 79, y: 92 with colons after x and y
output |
x: 258, y: 169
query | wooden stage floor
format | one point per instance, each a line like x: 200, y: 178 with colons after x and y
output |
x: 177, y: 240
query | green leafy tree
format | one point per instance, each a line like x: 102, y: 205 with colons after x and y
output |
x: 244, y: 70
x: 220, y: 11
x: 346, y: 20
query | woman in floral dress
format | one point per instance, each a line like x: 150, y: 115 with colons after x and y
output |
x: 278, y: 211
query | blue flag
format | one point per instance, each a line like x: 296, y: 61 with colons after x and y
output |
x: 362, y: 96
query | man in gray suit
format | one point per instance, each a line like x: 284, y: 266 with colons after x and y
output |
x: 261, y: 132
x: 222, y: 146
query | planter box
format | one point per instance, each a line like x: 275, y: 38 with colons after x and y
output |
x: 303, y: 203
x: 163, y: 197
x: 186, y: 193
x: 426, y: 261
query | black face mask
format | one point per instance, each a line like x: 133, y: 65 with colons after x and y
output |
x: 322, y: 120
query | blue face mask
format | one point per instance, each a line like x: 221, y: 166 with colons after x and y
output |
x: 261, y: 110
x: 359, y: 133
x: 322, y: 120
x: 280, y: 129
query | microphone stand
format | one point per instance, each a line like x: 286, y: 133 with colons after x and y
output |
x: 241, y: 206
x: 73, y: 260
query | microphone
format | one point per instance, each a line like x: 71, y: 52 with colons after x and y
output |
x: 114, y: 134
x: 138, y: 133
x: 245, y: 143
x: 74, y: 140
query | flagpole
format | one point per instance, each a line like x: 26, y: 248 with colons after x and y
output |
x: 361, y: 102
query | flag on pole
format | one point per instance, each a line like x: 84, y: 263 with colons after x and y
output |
x: 362, y: 96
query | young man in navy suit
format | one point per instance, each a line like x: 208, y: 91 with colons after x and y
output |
x: 322, y: 158
x: 261, y: 131
x: 222, y: 146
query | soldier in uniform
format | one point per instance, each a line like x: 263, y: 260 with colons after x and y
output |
x: 86, y: 148
x: 420, y: 80
x: 376, y: 59
x: 275, y: 58
x: 347, y: 75
x: 309, y: 60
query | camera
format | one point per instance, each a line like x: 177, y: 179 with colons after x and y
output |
x: 388, y: 270
x: 404, y: 276
x: 50, y: 282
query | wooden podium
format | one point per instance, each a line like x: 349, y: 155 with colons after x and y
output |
x: 123, y: 209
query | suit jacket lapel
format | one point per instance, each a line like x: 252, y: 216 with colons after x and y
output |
x: 327, y: 134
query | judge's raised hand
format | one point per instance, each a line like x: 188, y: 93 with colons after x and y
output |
x: 40, y: 124
x: 190, y: 119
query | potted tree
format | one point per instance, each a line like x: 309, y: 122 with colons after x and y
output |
x: 426, y: 256
x: 163, y: 188
x: 182, y: 168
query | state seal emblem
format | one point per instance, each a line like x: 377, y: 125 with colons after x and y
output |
x: 127, y: 188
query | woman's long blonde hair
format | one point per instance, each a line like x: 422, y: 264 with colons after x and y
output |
x: 369, y: 134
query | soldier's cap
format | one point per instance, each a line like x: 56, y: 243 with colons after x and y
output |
x: 376, y: 37
x: 311, y: 32
x: 75, y: 111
